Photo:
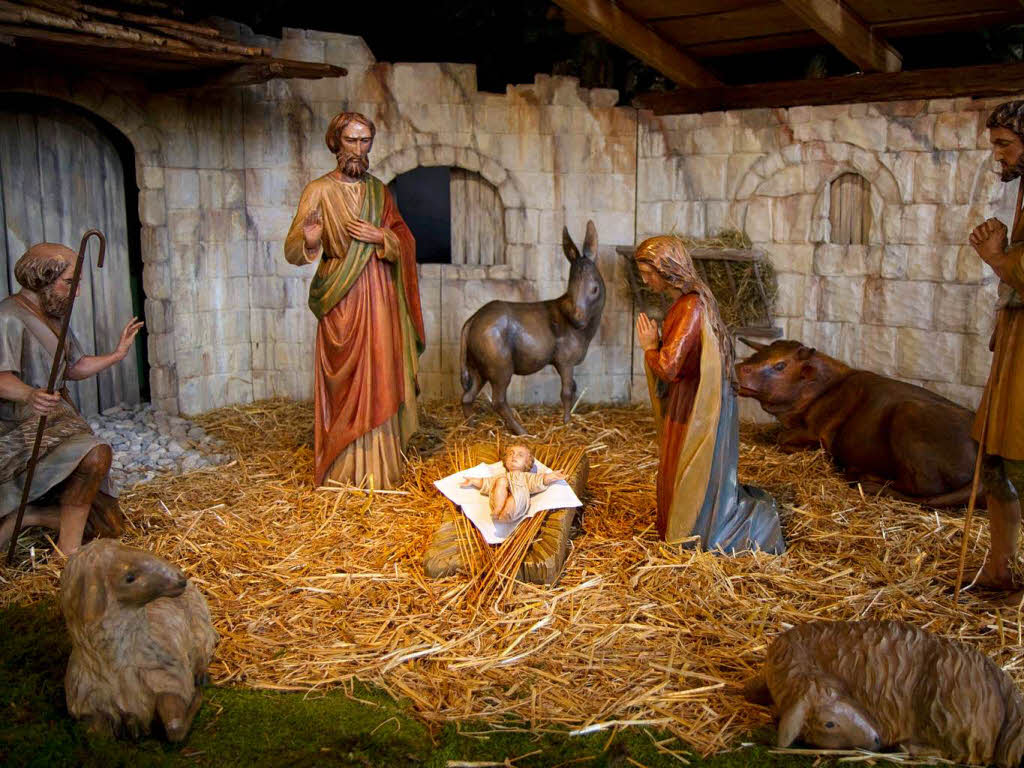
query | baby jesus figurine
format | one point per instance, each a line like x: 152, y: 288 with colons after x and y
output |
x: 510, y: 491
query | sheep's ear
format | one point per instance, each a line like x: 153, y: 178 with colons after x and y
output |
x: 791, y: 722
x: 90, y: 594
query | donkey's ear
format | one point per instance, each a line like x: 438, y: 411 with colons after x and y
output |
x: 571, y: 251
x: 590, y: 242
x: 791, y: 722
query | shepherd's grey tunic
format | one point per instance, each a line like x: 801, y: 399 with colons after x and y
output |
x: 27, y: 345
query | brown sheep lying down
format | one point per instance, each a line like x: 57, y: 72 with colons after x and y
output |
x: 141, y: 640
x: 885, y: 684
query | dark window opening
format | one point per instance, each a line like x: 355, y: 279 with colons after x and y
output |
x: 455, y: 215
x: 424, y: 200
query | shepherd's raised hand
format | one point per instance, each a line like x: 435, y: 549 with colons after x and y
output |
x: 128, y: 334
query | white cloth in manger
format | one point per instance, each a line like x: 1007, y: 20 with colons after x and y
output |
x: 477, y: 507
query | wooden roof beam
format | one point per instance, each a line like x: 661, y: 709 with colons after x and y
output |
x: 945, y: 83
x: 848, y: 34
x: 633, y: 36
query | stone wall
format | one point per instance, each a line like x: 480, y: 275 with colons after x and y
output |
x: 913, y: 302
x: 220, y: 173
x: 558, y: 155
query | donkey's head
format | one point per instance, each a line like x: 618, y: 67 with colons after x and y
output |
x: 586, y: 287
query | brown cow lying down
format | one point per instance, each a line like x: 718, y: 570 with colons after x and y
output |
x: 881, y: 432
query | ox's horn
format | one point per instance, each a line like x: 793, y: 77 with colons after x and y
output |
x: 756, y: 346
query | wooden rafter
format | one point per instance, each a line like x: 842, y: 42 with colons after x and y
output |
x: 69, y: 29
x: 985, y: 80
x: 834, y: 21
x: 633, y: 36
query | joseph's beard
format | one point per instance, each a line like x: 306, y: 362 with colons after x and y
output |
x: 353, y: 166
x: 52, y: 304
x: 1009, y: 173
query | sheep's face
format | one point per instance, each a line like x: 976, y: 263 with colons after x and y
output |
x: 840, y: 724
x: 830, y: 721
x: 138, y: 577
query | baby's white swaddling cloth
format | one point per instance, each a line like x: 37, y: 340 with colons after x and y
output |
x: 478, y: 508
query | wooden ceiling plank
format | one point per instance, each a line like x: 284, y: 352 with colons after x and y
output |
x: 771, y: 19
x: 875, y: 12
x: 783, y: 42
x: 932, y: 25
x: 834, y: 21
x: 988, y: 80
x: 631, y: 35
x: 646, y: 10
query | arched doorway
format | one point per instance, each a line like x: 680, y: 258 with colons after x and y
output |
x: 64, y: 171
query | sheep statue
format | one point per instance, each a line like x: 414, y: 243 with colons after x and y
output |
x: 141, y: 640
x: 884, y: 684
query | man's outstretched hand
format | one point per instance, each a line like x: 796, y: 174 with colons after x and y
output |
x: 128, y: 335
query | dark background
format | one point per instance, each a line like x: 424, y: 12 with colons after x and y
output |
x: 511, y: 41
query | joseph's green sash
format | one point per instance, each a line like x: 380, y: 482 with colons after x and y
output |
x: 335, y: 277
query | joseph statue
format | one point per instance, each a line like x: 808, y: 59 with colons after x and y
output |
x: 366, y: 299
x: 999, y: 425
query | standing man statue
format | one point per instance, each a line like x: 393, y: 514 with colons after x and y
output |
x: 366, y: 298
x: 70, y: 486
x: 999, y: 425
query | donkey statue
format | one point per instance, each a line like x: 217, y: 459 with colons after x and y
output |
x: 521, y: 337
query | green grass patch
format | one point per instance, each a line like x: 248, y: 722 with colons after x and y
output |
x: 243, y: 727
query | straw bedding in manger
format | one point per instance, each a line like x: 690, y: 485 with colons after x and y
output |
x: 311, y: 589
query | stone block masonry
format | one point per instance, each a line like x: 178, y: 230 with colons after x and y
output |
x: 220, y: 174
x: 911, y: 301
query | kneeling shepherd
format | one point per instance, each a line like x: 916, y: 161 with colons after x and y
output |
x: 70, y: 486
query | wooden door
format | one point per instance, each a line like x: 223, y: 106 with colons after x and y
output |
x: 478, y: 220
x: 60, y: 176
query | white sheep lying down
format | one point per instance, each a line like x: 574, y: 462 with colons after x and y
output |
x: 886, y: 684
x: 141, y: 640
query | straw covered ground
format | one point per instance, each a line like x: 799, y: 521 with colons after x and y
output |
x: 311, y: 589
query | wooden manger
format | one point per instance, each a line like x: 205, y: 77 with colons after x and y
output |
x: 541, y: 543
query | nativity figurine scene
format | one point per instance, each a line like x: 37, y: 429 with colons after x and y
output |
x: 598, y: 564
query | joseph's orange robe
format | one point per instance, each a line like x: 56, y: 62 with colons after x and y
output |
x: 369, y: 335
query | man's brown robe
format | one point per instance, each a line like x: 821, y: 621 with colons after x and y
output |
x: 369, y: 336
x: 1005, y: 388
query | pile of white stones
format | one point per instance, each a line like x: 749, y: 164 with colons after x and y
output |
x: 148, y: 442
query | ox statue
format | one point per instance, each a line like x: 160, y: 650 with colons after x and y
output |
x: 521, y: 337
x: 883, y: 433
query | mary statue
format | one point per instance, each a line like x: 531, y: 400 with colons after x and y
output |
x: 690, y: 374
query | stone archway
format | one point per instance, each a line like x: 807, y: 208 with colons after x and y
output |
x: 469, y: 159
x: 799, y: 176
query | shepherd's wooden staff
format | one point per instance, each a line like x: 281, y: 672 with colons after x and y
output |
x: 57, y: 359
x: 993, y: 380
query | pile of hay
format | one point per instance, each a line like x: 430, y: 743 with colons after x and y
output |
x: 311, y: 589
x: 745, y: 290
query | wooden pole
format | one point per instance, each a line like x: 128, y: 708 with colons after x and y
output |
x: 54, y: 369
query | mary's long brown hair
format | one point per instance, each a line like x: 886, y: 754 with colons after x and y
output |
x: 669, y: 258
